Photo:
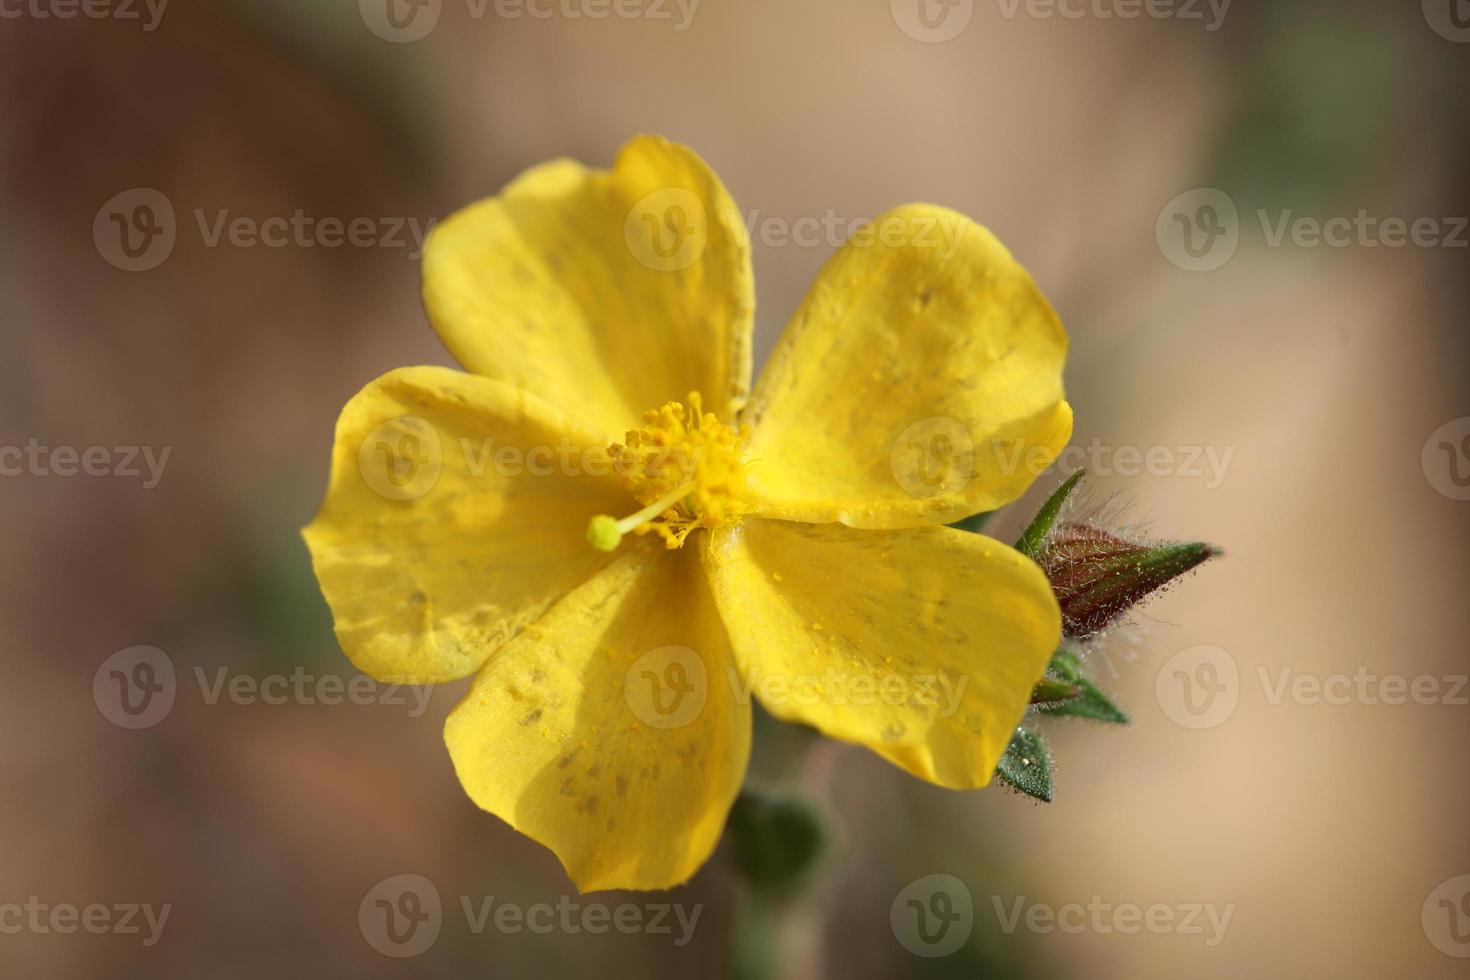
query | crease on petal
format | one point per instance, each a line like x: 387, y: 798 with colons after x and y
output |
x: 920, y: 381
x: 922, y: 644
x: 608, y: 731
x: 607, y: 293
x: 450, y: 521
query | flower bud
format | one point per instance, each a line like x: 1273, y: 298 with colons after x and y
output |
x: 1098, y: 576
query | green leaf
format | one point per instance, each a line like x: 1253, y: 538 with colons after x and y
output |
x: 975, y: 523
x: 1065, y: 664
x: 1090, y: 702
x: 1314, y: 107
x: 1030, y: 543
x: 1051, y: 691
x: 1026, y: 765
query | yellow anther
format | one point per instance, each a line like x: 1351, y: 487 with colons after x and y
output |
x: 686, y: 465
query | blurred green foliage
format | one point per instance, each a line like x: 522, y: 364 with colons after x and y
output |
x: 1316, y: 109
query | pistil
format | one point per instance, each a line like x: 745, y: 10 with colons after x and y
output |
x: 605, y: 532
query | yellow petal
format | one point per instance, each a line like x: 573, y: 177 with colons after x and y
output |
x: 455, y: 515
x: 919, y: 382
x: 607, y: 293
x: 922, y: 644
x: 607, y: 731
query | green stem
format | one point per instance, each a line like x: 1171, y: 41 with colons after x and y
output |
x: 755, y: 947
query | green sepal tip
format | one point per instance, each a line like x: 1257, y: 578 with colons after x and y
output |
x: 1031, y: 539
x: 1089, y: 702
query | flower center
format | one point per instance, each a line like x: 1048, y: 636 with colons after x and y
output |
x: 685, y: 466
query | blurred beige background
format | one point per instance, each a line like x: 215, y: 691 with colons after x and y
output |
x: 1318, y: 372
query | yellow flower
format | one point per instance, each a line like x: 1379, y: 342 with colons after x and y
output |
x: 784, y: 542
